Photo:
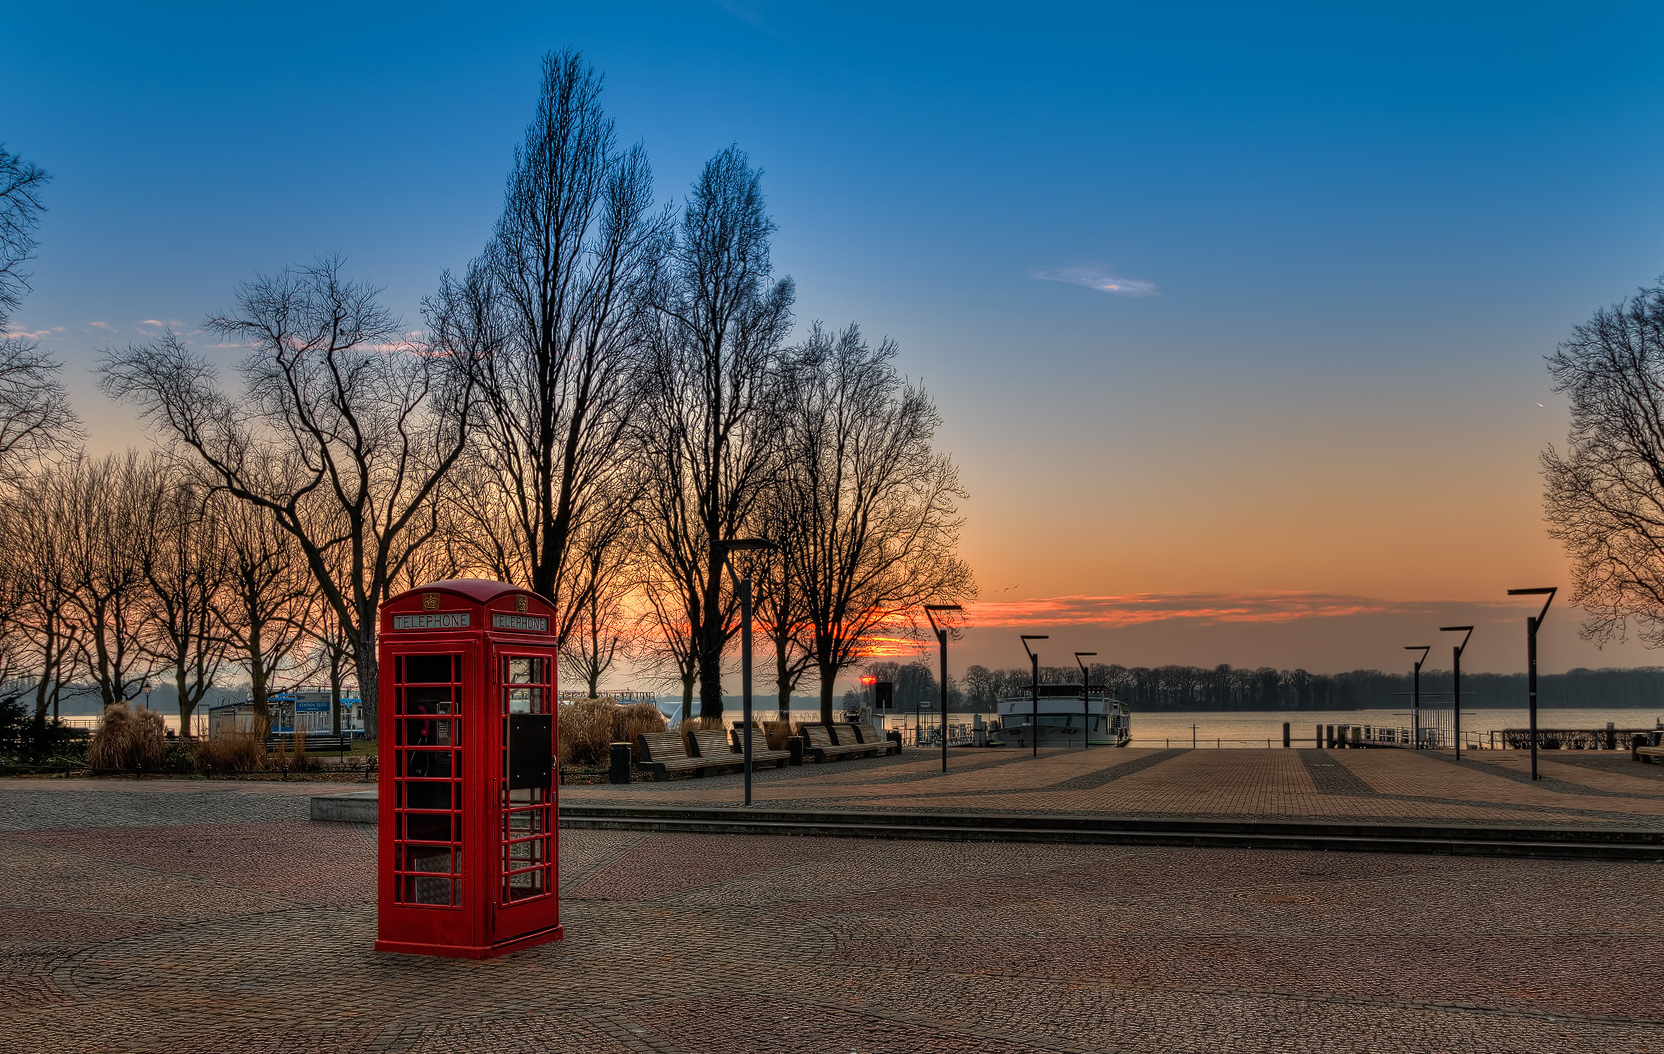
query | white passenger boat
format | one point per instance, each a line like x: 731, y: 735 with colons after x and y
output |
x: 1065, y: 719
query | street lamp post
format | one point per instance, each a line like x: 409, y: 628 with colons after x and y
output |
x: 1085, y: 698
x: 942, y: 639
x: 1034, y: 663
x: 1415, y: 696
x: 742, y: 586
x: 1531, y: 627
x: 1456, y: 684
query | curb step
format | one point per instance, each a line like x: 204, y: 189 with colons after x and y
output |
x: 1449, y: 840
x: 1348, y: 837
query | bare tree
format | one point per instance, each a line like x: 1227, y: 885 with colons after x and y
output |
x: 781, y: 612
x: 20, y: 207
x: 35, y: 555
x: 185, y: 567
x: 560, y: 299
x: 35, y: 417
x: 604, y: 577
x: 872, y: 526
x: 710, y: 417
x: 103, y: 506
x: 1604, y: 496
x: 360, y: 420
x: 262, y: 607
x: 669, y: 645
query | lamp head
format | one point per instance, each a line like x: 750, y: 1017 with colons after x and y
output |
x: 1455, y: 629
x: 944, y: 607
x: 1547, y: 591
x: 1078, y: 654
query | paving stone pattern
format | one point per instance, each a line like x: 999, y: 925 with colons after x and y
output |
x: 222, y: 931
x: 1298, y: 784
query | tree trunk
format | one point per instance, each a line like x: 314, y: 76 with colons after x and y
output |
x: 827, y: 676
x: 187, y: 705
x: 710, y: 644
x: 365, y: 661
x: 334, y: 693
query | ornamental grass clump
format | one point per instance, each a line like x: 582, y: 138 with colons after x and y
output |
x: 230, y: 752
x: 628, y: 722
x: 586, y: 731
x: 128, y: 739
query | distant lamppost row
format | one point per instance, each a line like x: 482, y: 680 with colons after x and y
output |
x: 942, y: 639
x: 1531, y: 627
x: 1456, y: 685
x: 1085, y: 698
x: 1034, y: 663
x: 742, y: 586
x: 1415, y: 697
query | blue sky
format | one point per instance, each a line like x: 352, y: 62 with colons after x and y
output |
x: 1359, y: 228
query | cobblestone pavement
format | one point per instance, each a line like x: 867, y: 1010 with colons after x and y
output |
x: 143, y: 917
x: 1482, y: 788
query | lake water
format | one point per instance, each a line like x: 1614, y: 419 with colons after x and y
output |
x: 1251, y: 728
x: 1247, y: 728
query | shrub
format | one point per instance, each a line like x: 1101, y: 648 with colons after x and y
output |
x: 128, y: 739
x: 232, y: 752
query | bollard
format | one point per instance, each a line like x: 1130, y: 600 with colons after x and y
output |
x: 1329, y: 733
x: 891, y: 737
x: 1317, y: 740
x: 619, y: 770
x: 1285, y: 735
x: 1357, y: 736
x: 794, y: 746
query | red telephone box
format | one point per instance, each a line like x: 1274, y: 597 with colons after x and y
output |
x: 468, y: 807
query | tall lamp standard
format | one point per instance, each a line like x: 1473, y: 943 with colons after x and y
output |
x: 942, y: 639
x: 742, y: 586
x: 1085, y: 698
x: 1415, y: 689
x: 1456, y: 685
x: 1531, y: 627
x: 1034, y: 663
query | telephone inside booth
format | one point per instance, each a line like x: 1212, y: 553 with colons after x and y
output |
x: 469, y: 826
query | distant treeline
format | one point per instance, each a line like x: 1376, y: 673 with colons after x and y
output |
x: 1159, y: 688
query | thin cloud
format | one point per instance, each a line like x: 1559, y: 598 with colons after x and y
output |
x: 99, y: 325
x: 1102, y: 281
x: 1201, y: 608
x: 14, y: 334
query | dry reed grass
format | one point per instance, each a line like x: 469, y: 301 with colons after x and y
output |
x: 232, y: 752
x: 586, y: 731
x: 777, y: 733
x: 630, y: 721
x: 128, y: 738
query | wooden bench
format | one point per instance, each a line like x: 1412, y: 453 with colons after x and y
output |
x: 869, y: 733
x: 759, y: 747
x: 714, y: 747
x: 1652, y: 755
x: 318, y: 744
x: 823, y: 746
x: 664, y: 752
